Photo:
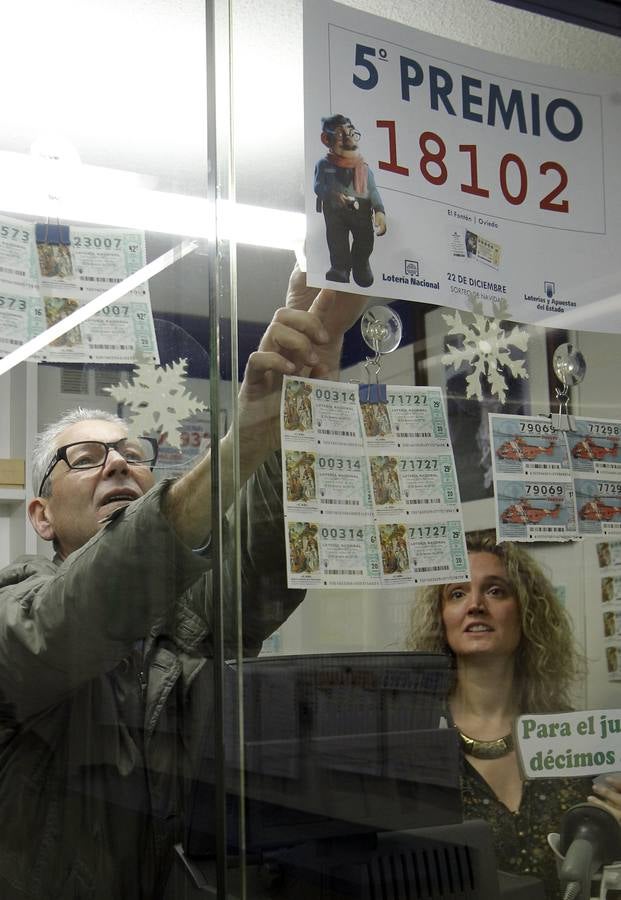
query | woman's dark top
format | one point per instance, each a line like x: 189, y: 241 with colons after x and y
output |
x: 520, y: 838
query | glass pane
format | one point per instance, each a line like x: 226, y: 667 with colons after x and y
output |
x: 134, y: 761
x: 108, y: 572
x: 330, y: 754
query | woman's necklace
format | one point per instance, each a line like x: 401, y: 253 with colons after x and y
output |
x: 486, y: 749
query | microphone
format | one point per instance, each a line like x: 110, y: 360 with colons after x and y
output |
x: 590, y: 838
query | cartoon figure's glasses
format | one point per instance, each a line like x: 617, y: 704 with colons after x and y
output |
x: 347, y: 131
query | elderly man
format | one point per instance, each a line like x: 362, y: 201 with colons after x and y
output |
x: 105, y: 670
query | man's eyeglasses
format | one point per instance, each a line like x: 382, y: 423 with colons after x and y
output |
x: 140, y: 451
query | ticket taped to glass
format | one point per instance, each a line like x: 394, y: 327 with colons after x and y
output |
x: 543, y: 510
x: 598, y: 502
x: 528, y: 445
x: 316, y: 412
x: 326, y: 482
x: 414, y: 483
x: 351, y: 471
x: 594, y: 445
x: 331, y: 554
x: 411, y: 418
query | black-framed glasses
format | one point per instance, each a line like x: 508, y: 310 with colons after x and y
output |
x: 347, y: 131
x: 140, y: 451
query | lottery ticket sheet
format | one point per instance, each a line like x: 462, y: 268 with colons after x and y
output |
x: 43, y: 280
x: 596, y: 465
x: 533, y: 480
x: 370, y: 490
x: 609, y: 559
x: 556, y: 485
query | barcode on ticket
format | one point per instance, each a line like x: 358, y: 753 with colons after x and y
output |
x: 339, y: 433
x: 544, y: 465
x: 111, y: 346
x: 344, y: 572
x: 541, y: 529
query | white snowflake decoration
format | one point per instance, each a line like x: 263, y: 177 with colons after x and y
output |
x: 159, y: 399
x: 486, y: 347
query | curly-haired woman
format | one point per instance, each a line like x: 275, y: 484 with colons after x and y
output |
x: 514, y: 653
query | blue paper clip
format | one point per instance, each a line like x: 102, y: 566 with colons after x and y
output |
x: 46, y: 233
x: 373, y: 391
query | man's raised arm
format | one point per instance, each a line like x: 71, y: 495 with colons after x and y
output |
x: 305, y: 337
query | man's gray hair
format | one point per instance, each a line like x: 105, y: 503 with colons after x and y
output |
x: 46, y: 442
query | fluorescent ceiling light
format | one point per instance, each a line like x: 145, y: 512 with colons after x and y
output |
x: 125, y: 199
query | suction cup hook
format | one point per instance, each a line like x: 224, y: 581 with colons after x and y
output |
x: 382, y: 331
x: 569, y: 366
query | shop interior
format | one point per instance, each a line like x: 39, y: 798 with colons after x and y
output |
x: 112, y: 125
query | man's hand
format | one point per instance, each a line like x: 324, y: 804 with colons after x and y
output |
x: 336, y: 310
x: 304, y: 338
x: 608, y: 795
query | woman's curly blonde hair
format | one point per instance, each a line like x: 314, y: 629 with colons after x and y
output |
x: 548, y: 662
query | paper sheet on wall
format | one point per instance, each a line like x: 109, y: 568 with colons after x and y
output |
x: 609, y: 558
x: 42, y: 282
x: 370, y: 491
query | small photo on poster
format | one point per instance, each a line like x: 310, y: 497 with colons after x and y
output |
x: 612, y: 623
x: 482, y: 249
x: 613, y: 662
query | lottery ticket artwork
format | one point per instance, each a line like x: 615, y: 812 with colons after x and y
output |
x: 435, y: 170
x: 48, y: 272
x: 556, y: 485
x: 609, y: 559
x: 370, y: 491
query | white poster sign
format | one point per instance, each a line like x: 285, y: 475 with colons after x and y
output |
x: 435, y: 170
x: 569, y: 744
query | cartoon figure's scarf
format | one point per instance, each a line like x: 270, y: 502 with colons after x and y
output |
x: 356, y: 163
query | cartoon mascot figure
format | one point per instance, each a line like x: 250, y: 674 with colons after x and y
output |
x: 351, y: 203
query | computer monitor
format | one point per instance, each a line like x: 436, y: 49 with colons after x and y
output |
x: 334, y: 745
x: 351, y: 784
x: 445, y: 862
